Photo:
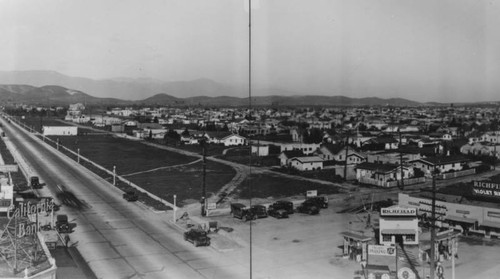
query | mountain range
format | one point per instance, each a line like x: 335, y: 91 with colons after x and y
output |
x: 53, y: 88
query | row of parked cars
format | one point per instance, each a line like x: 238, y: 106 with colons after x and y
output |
x: 279, y: 209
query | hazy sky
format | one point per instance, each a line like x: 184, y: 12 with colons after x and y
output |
x: 425, y: 50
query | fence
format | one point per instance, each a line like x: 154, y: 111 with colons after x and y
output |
x: 381, y: 183
x: 450, y: 175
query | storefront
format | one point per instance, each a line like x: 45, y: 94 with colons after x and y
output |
x: 355, y: 246
x: 398, y: 224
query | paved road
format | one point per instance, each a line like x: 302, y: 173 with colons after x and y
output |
x: 116, y: 238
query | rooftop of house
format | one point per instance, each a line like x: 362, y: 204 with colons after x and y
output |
x: 442, y: 160
x: 308, y: 159
x: 377, y: 167
x: 293, y: 153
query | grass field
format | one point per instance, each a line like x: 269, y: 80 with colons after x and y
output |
x: 185, y: 181
x: 128, y: 156
x: 177, y: 174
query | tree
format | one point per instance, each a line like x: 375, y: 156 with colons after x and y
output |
x: 172, y: 137
x: 185, y: 133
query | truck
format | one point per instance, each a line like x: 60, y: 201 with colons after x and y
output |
x: 198, y: 237
x: 242, y: 212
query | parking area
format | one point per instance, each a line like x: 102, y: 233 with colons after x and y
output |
x: 300, y: 246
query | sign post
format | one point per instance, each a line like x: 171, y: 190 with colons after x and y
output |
x: 175, y: 207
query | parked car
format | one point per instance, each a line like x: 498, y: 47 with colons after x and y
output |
x: 308, y: 207
x: 198, y: 237
x: 63, y: 225
x: 35, y: 182
x: 242, y: 212
x: 319, y: 201
x: 286, y: 205
x: 259, y: 210
x: 131, y: 196
x: 277, y: 213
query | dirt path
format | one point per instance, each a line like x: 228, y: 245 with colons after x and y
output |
x: 162, y: 168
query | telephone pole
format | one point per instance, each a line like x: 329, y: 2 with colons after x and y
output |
x: 433, y: 228
x: 346, y: 154
x: 204, y: 187
x: 401, y: 159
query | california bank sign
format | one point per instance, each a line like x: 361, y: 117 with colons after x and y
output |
x: 29, y: 209
x: 398, y: 211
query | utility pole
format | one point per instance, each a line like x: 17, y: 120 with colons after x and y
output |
x: 204, y: 188
x: 346, y: 154
x: 433, y: 228
x: 401, y: 160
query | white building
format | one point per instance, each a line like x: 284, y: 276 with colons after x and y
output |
x: 307, y: 163
x: 60, y: 130
x: 398, y: 224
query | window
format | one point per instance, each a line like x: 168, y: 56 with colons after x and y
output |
x: 386, y: 237
x: 493, y: 214
x: 410, y: 237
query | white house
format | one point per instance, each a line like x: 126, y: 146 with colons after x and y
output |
x: 307, y: 163
x: 60, y: 130
x: 233, y: 140
x: 260, y: 150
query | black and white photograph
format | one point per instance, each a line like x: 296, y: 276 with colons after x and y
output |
x: 250, y: 139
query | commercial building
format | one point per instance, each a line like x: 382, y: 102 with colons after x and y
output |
x: 60, y: 130
x: 458, y: 213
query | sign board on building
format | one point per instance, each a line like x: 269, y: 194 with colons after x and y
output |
x: 211, y: 205
x: 489, y: 189
x: 398, y: 211
x: 9, y: 168
x: 381, y: 250
x: 311, y: 193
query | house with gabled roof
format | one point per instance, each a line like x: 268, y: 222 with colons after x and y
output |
x: 338, y: 153
x: 440, y: 163
x: 307, y: 163
x: 379, y: 173
x: 285, y: 156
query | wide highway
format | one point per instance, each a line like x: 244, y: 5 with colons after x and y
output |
x: 117, y: 238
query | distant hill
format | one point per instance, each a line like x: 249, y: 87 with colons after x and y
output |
x: 58, y: 95
x: 50, y: 95
x: 121, y: 88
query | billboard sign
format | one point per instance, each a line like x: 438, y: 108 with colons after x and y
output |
x: 398, y: 211
x: 488, y: 189
x: 381, y: 250
x: 311, y: 193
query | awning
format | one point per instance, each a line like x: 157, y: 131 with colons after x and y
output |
x: 356, y: 236
x: 491, y: 224
x: 460, y: 219
x: 399, y: 231
x: 447, y: 235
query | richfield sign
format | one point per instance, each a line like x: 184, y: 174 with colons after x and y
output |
x: 488, y: 189
x: 398, y: 211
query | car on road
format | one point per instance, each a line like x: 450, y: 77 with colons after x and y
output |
x: 277, y: 213
x: 308, y: 207
x: 320, y: 201
x: 131, y: 196
x: 242, y: 212
x: 35, y: 182
x: 259, y: 210
x: 198, y: 237
x: 63, y: 225
x: 282, y: 204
